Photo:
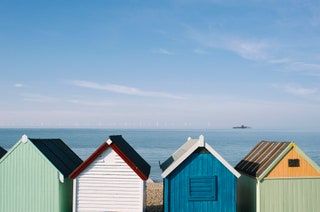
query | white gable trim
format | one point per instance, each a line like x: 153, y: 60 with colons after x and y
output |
x: 222, y: 160
x: 174, y: 165
x: 200, y: 143
x: 109, y: 141
x: 61, y: 177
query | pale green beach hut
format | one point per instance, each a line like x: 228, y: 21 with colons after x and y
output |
x: 34, y: 176
x: 278, y: 176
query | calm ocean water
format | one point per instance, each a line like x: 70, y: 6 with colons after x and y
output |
x: 158, y: 145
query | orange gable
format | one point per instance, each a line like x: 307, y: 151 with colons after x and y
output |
x: 282, y: 169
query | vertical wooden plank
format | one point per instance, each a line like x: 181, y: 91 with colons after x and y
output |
x: 290, y: 194
x: 28, y: 182
x: 202, y: 164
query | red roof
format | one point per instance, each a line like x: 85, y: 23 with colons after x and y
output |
x: 125, y: 151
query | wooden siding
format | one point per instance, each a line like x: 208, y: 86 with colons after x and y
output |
x: 109, y: 184
x: 283, y: 170
x: 28, y: 182
x: 197, y: 165
x: 246, y: 194
x: 290, y: 195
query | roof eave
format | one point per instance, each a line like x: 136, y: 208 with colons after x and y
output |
x: 222, y: 160
x: 275, y: 162
x: 175, y: 164
x: 129, y: 162
x: 89, y: 160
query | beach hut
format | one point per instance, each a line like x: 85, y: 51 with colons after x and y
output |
x: 2, y: 152
x: 113, y: 178
x: 278, y: 176
x: 34, y: 176
x: 197, y: 178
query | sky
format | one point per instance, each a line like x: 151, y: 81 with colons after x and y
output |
x: 179, y: 64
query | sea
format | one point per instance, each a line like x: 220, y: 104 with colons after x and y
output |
x: 156, y: 145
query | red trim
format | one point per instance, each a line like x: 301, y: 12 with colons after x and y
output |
x: 98, y: 152
x: 89, y: 160
x: 129, y: 162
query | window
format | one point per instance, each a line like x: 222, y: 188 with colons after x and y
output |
x: 203, y: 188
x: 293, y: 162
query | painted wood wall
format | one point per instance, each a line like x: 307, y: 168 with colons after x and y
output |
x: 246, y: 194
x: 109, y: 184
x: 29, y: 182
x: 290, y: 195
x: 283, y: 170
x: 199, y: 164
x: 291, y: 189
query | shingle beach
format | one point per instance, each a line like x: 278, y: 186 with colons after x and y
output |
x: 154, y: 197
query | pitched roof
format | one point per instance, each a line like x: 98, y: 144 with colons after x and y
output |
x: 125, y: 151
x: 186, y: 150
x: 260, y: 158
x: 2, y: 152
x: 58, y: 153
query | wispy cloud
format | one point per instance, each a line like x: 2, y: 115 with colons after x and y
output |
x: 262, y: 50
x: 123, y: 89
x: 280, y: 61
x: 250, y: 49
x: 38, y: 98
x: 311, y: 69
x: 90, y: 103
x: 199, y: 51
x: 296, y: 90
x: 163, y: 51
x: 18, y: 85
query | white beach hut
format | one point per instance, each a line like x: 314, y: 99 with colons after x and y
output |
x: 113, y: 178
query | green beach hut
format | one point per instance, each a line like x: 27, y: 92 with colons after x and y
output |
x: 278, y: 176
x: 34, y: 176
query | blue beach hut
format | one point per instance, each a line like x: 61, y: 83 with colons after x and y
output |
x: 197, y: 178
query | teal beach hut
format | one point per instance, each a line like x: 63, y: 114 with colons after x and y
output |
x: 197, y: 178
x: 34, y: 176
x: 2, y: 152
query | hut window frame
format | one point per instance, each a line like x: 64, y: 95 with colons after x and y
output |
x: 294, y: 162
x: 203, y: 188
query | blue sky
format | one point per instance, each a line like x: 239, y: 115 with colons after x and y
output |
x: 160, y: 64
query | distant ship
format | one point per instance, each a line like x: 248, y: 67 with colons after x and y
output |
x: 241, y: 127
